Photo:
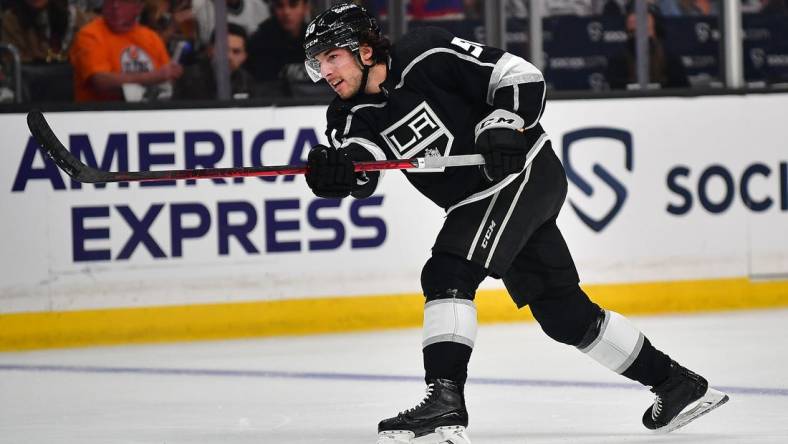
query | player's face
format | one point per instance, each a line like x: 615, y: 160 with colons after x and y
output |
x: 341, y: 70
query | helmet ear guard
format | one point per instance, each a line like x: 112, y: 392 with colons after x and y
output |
x: 337, y: 27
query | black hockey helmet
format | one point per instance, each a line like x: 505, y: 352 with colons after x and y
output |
x: 337, y: 27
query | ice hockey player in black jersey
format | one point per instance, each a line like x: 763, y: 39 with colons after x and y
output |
x: 433, y: 94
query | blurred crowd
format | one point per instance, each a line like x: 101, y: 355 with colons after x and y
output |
x: 148, y: 50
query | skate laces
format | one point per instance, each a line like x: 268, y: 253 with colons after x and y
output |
x: 427, y: 393
x: 656, y: 409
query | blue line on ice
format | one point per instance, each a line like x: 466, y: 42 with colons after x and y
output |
x: 763, y: 391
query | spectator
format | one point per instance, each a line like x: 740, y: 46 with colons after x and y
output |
x: 247, y: 13
x: 567, y: 7
x: 474, y: 9
x: 436, y: 10
x: 93, y: 6
x: 688, y: 7
x: 277, y: 47
x: 514, y: 8
x: 42, y: 30
x: 750, y: 6
x: 199, y: 80
x: 664, y: 68
x: 174, y: 22
x: 612, y: 8
x: 114, y: 50
x: 425, y: 9
x: 7, y: 93
x: 774, y: 7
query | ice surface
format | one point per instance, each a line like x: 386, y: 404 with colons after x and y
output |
x: 335, y: 388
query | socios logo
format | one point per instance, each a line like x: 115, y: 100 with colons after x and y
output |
x: 758, y: 57
x: 615, y: 136
x: 595, y: 31
x: 597, y: 81
x: 703, y: 32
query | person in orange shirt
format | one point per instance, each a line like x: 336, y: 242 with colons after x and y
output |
x: 115, y: 50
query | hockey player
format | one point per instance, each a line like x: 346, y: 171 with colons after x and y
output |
x: 433, y: 94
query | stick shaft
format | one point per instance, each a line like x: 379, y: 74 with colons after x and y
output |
x: 67, y: 162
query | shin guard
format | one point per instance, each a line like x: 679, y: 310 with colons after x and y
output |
x: 616, y: 344
x: 449, y: 283
x: 450, y: 327
x: 450, y: 320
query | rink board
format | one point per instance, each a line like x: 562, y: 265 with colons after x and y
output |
x: 22, y: 331
x: 675, y: 204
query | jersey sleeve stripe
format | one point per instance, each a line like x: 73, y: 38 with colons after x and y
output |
x: 508, y: 216
x: 333, y: 138
x: 532, y: 152
x: 496, y: 76
x: 369, y: 145
x: 426, y: 54
x: 356, y: 108
x: 511, y: 70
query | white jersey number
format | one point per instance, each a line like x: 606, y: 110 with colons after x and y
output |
x: 475, y: 49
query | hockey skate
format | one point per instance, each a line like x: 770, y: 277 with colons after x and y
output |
x: 682, y: 398
x: 440, y: 418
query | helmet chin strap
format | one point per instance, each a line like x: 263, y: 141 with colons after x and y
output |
x: 364, y: 75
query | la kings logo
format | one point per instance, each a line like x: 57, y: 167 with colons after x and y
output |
x: 420, y: 130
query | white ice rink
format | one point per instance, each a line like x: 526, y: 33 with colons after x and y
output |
x: 523, y: 388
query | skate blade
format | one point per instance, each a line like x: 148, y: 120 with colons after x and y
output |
x: 442, y: 435
x: 395, y: 437
x: 710, y: 401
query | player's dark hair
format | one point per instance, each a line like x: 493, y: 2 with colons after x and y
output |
x: 380, y: 44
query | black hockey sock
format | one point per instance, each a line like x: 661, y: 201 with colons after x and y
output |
x: 447, y: 360
x: 651, y: 367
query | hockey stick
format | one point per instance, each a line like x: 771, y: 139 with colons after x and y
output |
x: 67, y: 162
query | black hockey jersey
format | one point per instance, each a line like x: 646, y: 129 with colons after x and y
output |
x: 440, y: 93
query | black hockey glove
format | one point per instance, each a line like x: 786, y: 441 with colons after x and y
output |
x: 330, y: 172
x: 504, y: 152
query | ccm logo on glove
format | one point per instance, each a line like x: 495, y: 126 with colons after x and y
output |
x: 501, y: 140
